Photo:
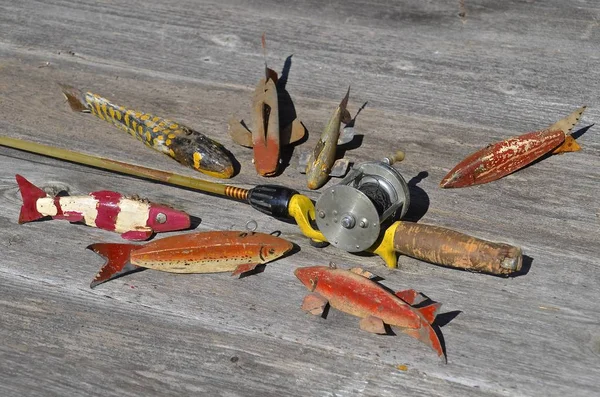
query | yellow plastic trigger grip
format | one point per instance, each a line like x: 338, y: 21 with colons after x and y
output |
x: 302, y: 209
x: 384, y: 247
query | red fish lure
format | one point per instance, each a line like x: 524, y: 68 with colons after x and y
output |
x: 354, y: 292
x: 133, y: 218
x: 500, y: 159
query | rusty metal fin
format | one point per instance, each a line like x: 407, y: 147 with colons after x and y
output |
x: 339, y: 168
x: 240, y: 133
x: 314, y: 304
x: 411, y: 296
x: 246, y: 267
x: 365, y: 273
x: 373, y: 324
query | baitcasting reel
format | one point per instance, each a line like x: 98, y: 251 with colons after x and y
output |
x: 350, y: 214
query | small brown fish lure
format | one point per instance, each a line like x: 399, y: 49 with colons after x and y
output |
x: 203, y: 252
x: 185, y: 145
x: 500, y: 159
x: 266, y: 135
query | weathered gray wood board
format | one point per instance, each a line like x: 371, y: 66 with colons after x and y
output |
x: 437, y: 87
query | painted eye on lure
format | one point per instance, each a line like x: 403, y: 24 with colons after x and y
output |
x: 161, y: 218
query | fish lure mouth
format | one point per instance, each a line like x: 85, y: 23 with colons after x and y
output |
x: 225, y: 173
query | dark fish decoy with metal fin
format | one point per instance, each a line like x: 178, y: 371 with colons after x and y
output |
x: 202, y: 252
x: 187, y: 146
x: 322, y: 159
x: 502, y: 158
x: 355, y: 292
x: 266, y: 135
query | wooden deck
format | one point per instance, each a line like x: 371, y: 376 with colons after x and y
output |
x: 438, y: 86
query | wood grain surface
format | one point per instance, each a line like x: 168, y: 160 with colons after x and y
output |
x: 439, y: 86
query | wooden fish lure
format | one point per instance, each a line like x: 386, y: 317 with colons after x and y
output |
x: 266, y: 135
x: 354, y: 292
x: 322, y: 158
x: 204, y: 252
x: 185, y: 145
x: 500, y: 159
x: 134, y: 218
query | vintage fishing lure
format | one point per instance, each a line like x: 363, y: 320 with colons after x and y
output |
x: 203, y: 252
x: 500, y: 159
x: 266, y: 135
x: 321, y: 162
x: 133, y: 218
x: 354, y: 292
x: 185, y: 145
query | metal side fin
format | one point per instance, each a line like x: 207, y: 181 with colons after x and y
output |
x: 339, y: 168
x: 373, y: 324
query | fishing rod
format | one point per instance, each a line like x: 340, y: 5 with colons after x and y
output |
x: 350, y: 215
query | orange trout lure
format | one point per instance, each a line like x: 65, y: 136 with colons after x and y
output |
x: 202, y: 252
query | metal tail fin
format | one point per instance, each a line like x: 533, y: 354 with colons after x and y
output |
x: 117, y: 261
x: 426, y: 334
x: 30, y: 195
x: 75, y: 98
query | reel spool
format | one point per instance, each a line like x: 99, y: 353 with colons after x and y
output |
x: 350, y: 214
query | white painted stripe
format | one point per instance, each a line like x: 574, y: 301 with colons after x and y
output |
x: 133, y: 215
x: 46, y: 207
x: 85, y: 205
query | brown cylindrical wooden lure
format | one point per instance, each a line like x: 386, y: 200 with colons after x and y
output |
x: 203, y: 252
x: 500, y: 159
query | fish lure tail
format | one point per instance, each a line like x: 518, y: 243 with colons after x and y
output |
x: 75, y: 98
x: 117, y: 264
x: 429, y: 312
x: 426, y: 334
x: 30, y: 195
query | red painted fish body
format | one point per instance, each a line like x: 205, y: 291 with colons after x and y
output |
x: 203, y: 252
x: 133, y: 218
x: 502, y: 158
x: 359, y: 296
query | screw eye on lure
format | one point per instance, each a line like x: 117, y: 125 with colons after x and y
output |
x: 132, y: 217
x: 187, y: 146
x: 502, y: 158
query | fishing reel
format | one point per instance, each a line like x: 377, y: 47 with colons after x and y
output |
x: 350, y: 214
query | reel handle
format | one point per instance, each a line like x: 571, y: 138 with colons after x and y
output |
x: 448, y: 247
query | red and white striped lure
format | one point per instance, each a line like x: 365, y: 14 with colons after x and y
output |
x: 133, y: 218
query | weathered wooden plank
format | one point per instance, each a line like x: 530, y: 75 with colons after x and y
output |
x: 437, y: 87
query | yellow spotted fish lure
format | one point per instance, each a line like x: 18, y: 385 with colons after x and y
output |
x: 185, y: 145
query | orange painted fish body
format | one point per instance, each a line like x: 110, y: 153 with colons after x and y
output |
x: 354, y: 293
x: 500, y: 159
x: 203, y: 252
